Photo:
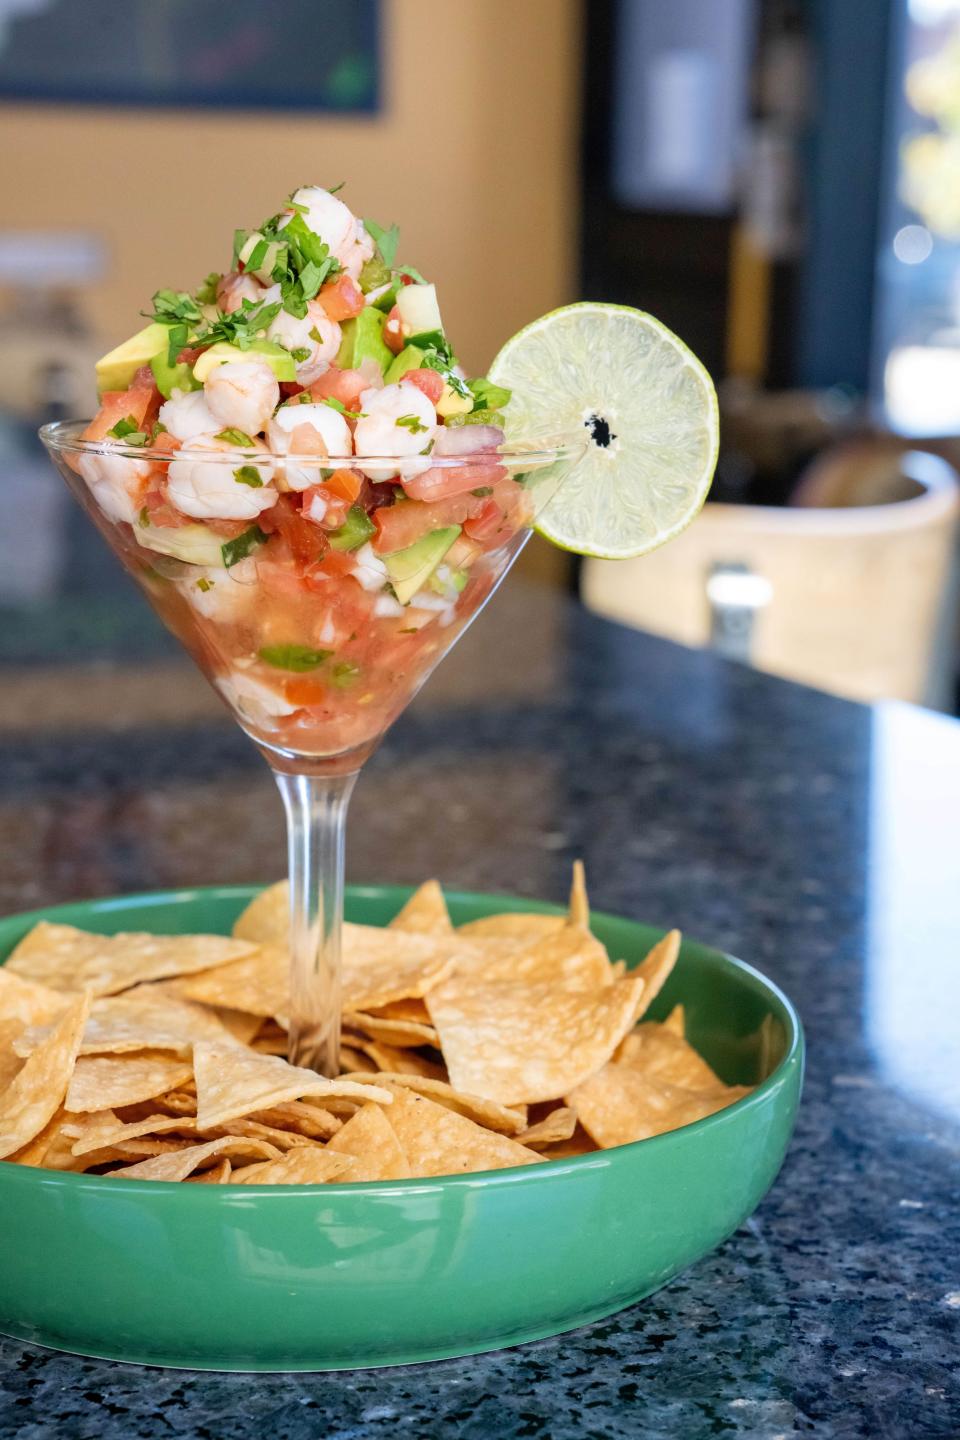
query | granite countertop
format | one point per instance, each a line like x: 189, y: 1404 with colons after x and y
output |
x: 816, y: 838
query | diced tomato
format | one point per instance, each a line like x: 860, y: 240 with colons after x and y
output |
x: 428, y: 381
x: 344, y: 385
x: 140, y: 403
x: 403, y: 523
x: 346, y: 484
x: 342, y: 298
x: 304, y: 690
x: 306, y: 543
x: 393, y: 332
x: 334, y: 565
x: 289, y: 388
x: 165, y: 441
x: 442, y: 481
x: 161, y: 512
x: 501, y: 516
x: 228, y: 529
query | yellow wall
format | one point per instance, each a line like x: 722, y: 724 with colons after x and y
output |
x: 473, y: 155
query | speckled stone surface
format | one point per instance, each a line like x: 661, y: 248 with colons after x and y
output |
x: 815, y: 838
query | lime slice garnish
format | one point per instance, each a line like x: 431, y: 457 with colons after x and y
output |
x: 651, y: 412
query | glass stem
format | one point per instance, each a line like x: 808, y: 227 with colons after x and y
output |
x: 316, y: 823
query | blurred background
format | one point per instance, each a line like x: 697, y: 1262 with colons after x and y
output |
x: 777, y: 180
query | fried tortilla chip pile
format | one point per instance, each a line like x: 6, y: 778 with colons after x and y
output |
x: 509, y: 1041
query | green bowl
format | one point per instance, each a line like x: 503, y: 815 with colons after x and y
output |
x: 331, y: 1277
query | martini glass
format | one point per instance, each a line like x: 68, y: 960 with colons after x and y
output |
x: 315, y: 657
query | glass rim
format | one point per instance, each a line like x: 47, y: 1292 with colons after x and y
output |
x: 63, y: 437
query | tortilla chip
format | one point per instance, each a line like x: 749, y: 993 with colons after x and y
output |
x: 657, y: 1083
x: 107, y: 1082
x: 570, y: 957
x: 69, y: 959
x: 400, y: 1062
x: 302, y: 1118
x: 28, y: 1002
x: 10, y: 1062
x: 524, y: 925
x: 232, y: 1082
x: 218, y: 1175
x: 579, y: 1143
x: 438, y: 1141
x: 409, y: 1009
x: 100, y: 1129
x: 306, y: 1165
x: 676, y: 1022
x: 475, y: 1107
x: 425, y: 913
x: 138, y: 1021
x: 521, y: 1042
x: 405, y: 1034
x: 266, y: 920
x: 378, y: 966
x: 259, y: 984
x: 372, y: 1141
x: 181, y: 1163
x: 36, y: 1092
x: 656, y: 969
x: 283, y: 1139
x: 579, y: 908
x: 237, y: 1023
x: 351, y: 1060
x: 558, y: 1125
x: 176, y: 1102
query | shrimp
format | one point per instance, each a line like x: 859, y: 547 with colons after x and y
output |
x: 220, y: 594
x: 234, y: 288
x: 356, y: 254
x: 328, y: 426
x: 315, y: 333
x: 186, y: 414
x: 242, y: 393
x: 204, y: 484
x: 398, y: 420
x: 326, y: 216
x: 116, y: 483
x: 253, y: 700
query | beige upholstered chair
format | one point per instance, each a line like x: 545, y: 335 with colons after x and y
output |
x: 846, y: 595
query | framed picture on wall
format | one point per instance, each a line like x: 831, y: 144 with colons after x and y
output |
x: 242, y: 54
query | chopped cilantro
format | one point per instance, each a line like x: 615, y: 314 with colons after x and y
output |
x: 293, y: 657
x: 239, y: 549
x: 207, y: 292
x: 158, y: 429
x: 411, y: 423
x: 482, y: 490
x: 301, y: 353
x: 248, y: 475
x: 204, y: 584
x: 233, y: 436
x: 242, y: 327
x: 123, y: 428
x: 171, y: 307
x: 386, y: 241
x: 335, y: 404
x: 415, y: 275
x: 334, y: 188
x: 374, y: 274
x: 430, y: 340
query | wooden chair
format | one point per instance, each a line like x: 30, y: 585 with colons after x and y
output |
x: 850, y: 588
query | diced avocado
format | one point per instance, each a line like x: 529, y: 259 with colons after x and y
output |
x: 410, y: 358
x: 363, y: 340
x: 410, y: 569
x: 281, y: 362
x: 355, y: 531
x: 116, y: 369
x: 193, y: 544
x: 450, y: 403
x: 418, y: 308
x: 172, y: 377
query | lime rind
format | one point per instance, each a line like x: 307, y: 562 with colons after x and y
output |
x: 627, y: 368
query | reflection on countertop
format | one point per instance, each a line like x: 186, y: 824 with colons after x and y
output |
x: 813, y: 837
